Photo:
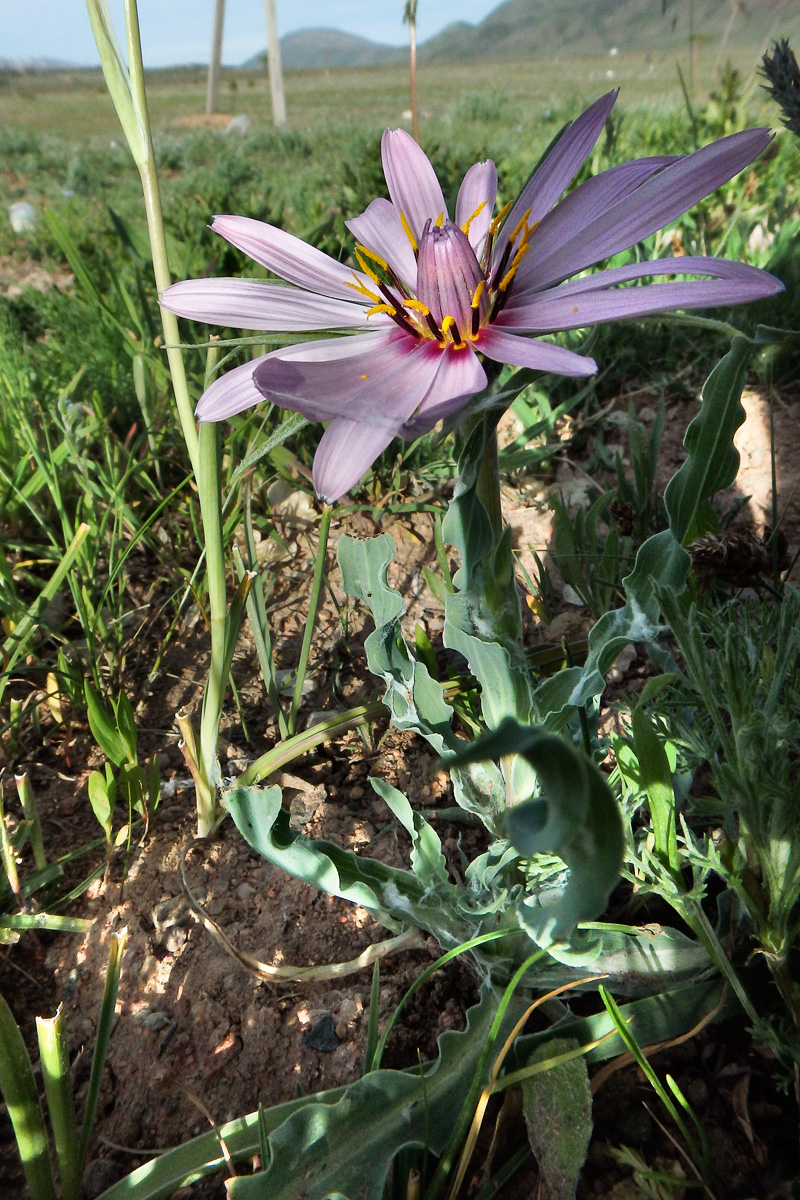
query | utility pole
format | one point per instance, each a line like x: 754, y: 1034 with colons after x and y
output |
x: 212, y: 88
x: 274, y: 66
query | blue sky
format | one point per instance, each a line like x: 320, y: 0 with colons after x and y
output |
x: 179, y: 31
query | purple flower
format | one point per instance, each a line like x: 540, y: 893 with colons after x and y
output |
x: 433, y: 296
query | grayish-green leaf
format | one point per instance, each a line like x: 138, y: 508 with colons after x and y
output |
x: 557, y: 1105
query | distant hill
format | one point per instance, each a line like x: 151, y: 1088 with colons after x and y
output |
x: 547, y: 29
x: 543, y: 29
x: 309, y: 49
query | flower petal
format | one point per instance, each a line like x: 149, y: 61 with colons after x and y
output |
x: 594, y: 195
x: 380, y: 229
x: 377, y: 379
x: 230, y: 393
x: 411, y: 180
x: 346, y: 451
x: 596, y: 299
x: 650, y: 206
x: 460, y: 376
x: 507, y: 347
x: 478, y: 189
x: 560, y: 166
x: 249, y: 304
x: 289, y: 256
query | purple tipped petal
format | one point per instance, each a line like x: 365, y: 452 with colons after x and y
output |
x: 248, y: 304
x: 346, y: 451
x: 596, y: 299
x: 288, y: 256
x: 652, y: 205
x: 460, y: 377
x: 377, y: 379
x: 517, y: 351
x: 479, y: 188
x: 594, y: 195
x: 230, y: 393
x: 380, y: 229
x: 559, y: 168
x: 411, y: 180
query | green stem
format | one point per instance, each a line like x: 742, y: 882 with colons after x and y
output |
x: 158, y: 244
x: 209, y: 489
x: 488, y: 485
x: 313, y: 605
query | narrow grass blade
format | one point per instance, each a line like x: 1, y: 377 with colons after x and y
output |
x: 60, y: 1101
x: 19, y: 1092
x: 104, y: 1027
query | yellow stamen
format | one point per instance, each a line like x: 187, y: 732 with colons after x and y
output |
x: 408, y: 232
x: 479, y: 290
x: 363, y: 291
x: 498, y: 220
x: 371, y: 254
x: 439, y: 220
x: 417, y: 305
x: 522, y: 222
x: 363, y: 377
x: 469, y: 220
x: 367, y: 269
x: 512, y: 270
x: 382, y: 308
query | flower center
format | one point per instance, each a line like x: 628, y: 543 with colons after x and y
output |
x: 455, y: 295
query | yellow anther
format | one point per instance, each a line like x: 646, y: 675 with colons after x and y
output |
x: 512, y: 270
x: 382, y: 308
x: 479, y: 290
x: 367, y: 269
x: 439, y: 220
x: 417, y: 305
x: 498, y: 220
x: 521, y: 224
x: 358, y: 286
x: 363, y: 377
x: 371, y: 254
x: 469, y: 220
x: 408, y: 232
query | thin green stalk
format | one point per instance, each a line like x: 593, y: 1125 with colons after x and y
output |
x: 105, y: 1026
x: 209, y: 487
x: 313, y: 605
x: 60, y: 1101
x: 158, y: 243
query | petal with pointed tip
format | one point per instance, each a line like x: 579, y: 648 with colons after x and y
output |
x: 411, y: 180
x: 596, y: 299
x: 288, y: 256
x: 346, y: 451
x: 559, y: 168
x: 248, y: 304
x: 507, y: 347
x: 649, y: 207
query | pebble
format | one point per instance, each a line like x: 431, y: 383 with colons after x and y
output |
x: 244, y: 891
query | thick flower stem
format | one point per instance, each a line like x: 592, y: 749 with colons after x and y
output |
x: 488, y: 486
x: 313, y: 604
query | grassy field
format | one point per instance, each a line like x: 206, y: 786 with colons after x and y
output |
x: 76, y: 105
